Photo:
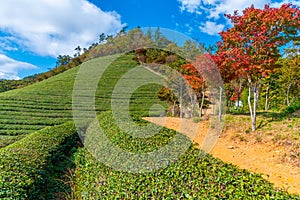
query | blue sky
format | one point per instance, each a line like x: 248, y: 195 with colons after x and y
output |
x: 34, y: 33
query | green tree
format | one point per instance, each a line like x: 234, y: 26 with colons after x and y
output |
x: 78, y: 50
x: 63, y: 60
x: 149, y: 34
x: 290, y: 73
x: 192, y: 49
x: 102, y: 38
x: 159, y: 39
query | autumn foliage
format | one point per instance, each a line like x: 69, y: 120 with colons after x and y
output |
x: 192, y: 76
x: 250, y: 47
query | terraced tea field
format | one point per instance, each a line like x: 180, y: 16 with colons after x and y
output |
x: 26, y: 110
x: 49, y: 102
x: 51, y: 163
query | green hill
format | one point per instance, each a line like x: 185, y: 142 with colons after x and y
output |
x: 30, y: 167
x: 48, y: 103
x: 34, y: 107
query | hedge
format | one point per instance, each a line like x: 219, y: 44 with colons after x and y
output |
x: 29, y: 168
x: 195, y: 175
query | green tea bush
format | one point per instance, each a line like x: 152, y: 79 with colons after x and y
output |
x: 28, y: 167
x: 49, y: 102
x: 195, y: 175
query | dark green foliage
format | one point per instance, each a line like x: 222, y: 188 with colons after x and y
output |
x: 31, y: 167
x: 292, y: 108
x: 129, y: 143
x: 195, y: 175
x: 121, y: 43
x: 6, y: 85
x: 63, y: 60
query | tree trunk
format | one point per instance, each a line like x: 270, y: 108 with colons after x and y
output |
x: 239, y: 92
x: 238, y: 104
x: 213, y: 103
x: 250, y: 107
x: 255, y: 90
x: 173, y: 110
x: 202, y: 102
x: 267, y: 101
x: 180, y: 100
x: 255, y: 101
x: 288, y: 103
x: 220, y: 104
x: 194, y: 101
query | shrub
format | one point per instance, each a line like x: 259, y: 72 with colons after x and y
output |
x: 292, y: 108
x: 197, y: 119
x: 195, y: 175
x: 28, y: 166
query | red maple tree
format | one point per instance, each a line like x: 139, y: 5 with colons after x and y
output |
x: 194, y: 79
x: 250, y: 49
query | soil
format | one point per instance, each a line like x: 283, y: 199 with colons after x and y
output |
x: 263, y: 157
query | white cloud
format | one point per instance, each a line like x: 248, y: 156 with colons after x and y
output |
x: 190, y: 5
x: 9, y: 67
x: 207, y: 2
x: 211, y: 28
x: 278, y: 4
x: 189, y: 27
x: 212, y: 10
x: 229, y: 6
x: 7, y: 44
x: 53, y: 27
x: 215, y: 8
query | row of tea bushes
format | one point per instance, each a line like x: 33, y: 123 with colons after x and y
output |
x: 195, y: 175
x: 30, y: 167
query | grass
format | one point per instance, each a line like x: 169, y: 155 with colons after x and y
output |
x: 275, y: 128
x: 271, y: 128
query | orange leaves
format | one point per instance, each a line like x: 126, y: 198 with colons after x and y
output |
x: 192, y: 76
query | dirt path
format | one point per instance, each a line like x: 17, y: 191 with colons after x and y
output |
x: 263, y: 158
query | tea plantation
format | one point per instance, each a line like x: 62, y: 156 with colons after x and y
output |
x: 195, y: 175
x: 42, y: 157
x: 49, y: 102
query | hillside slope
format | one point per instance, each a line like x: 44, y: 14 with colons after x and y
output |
x: 48, y: 103
x: 28, y: 109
